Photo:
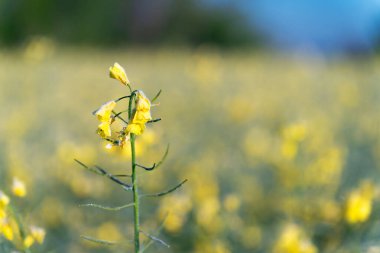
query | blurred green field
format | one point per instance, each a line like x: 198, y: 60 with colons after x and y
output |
x: 282, y: 153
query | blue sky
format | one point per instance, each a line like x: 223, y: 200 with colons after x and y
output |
x: 321, y: 25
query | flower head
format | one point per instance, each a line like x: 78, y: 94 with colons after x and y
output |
x: 104, y: 129
x: 104, y: 115
x: 141, y: 115
x: 18, y: 188
x: 38, y: 234
x: 142, y: 102
x: 6, y: 229
x: 3, y: 214
x: 4, y: 199
x: 105, y: 111
x: 117, y: 72
x: 135, y: 128
x: 28, y: 241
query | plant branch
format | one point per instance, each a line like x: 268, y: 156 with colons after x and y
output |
x: 157, y: 95
x: 113, y: 178
x: 163, y: 157
x: 147, y: 168
x: 108, y: 208
x: 99, y: 241
x: 117, y: 100
x: 117, y: 115
x: 154, y: 120
x: 165, y: 192
x: 156, y: 239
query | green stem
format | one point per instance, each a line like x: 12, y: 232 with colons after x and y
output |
x: 135, y: 196
x: 136, y: 206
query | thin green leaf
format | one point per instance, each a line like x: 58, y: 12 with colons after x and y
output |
x: 155, y: 97
x: 163, y: 157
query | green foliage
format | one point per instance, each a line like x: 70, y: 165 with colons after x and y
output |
x: 117, y: 22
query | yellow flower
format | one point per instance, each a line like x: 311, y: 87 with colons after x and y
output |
x: 104, y: 129
x: 38, y: 234
x: 28, y: 241
x: 4, y: 199
x: 18, y: 188
x: 117, y: 72
x: 141, y: 117
x: 294, y: 240
x: 105, y: 111
x: 3, y: 214
x: 142, y: 102
x: 6, y: 229
x: 359, y: 204
x: 135, y: 128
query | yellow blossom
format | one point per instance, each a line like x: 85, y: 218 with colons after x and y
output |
x: 142, y: 102
x: 6, y: 229
x: 104, y: 129
x: 38, y: 234
x: 294, y: 240
x: 135, y: 128
x: 18, y: 188
x: 141, y: 117
x: 28, y: 241
x: 359, y: 204
x: 4, y: 199
x: 105, y: 111
x: 117, y: 72
x: 3, y: 214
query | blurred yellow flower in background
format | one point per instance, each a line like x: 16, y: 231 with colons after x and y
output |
x: 174, y: 208
x: 117, y: 72
x: 18, y: 188
x: 6, y: 229
x: 109, y: 231
x: 359, y: 203
x: 231, y: 202
x: 4, y: 199
x: 293, y: 240
x: 28, y: 241
x: 3, y: 214
x: 38, y: 234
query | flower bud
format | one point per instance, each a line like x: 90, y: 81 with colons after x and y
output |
x: 117, y: 72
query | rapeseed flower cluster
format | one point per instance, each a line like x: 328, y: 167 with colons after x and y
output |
x: 132, y: 124
x: 140, y: 114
